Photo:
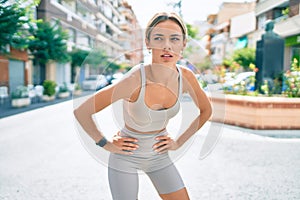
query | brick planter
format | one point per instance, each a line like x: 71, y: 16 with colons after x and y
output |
x: 257, y: 112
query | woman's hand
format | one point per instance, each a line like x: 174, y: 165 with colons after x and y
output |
x: 121, y: 145
x: 166, y: 143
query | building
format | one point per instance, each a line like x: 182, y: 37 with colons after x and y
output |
x: 92, y: 24
x: 223, y: 41
x: 14, y: 67
x: 239, y: 25
x: 110, y: 25
x: 285, y: 14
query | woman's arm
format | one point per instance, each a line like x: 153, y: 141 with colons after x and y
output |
x: 124, y: 89
x: 200, y: 99
x: 191, y: 86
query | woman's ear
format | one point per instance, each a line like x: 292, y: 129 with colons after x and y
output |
x: 184, y: 43
x: 147, y: 43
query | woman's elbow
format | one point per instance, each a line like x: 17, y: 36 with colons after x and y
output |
x: 76, y: 113
x: 207, y: 112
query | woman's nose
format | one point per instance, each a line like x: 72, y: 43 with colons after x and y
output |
x: 167, y: 45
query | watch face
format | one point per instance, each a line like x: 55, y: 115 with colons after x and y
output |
x: 102, y: 142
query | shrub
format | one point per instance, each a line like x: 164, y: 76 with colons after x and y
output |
x: 63, y: 88
x: 49, y: 87
x: 292, y: 80
x: 20, y: 92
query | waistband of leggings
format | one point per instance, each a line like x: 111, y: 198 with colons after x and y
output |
x: 134, y: 134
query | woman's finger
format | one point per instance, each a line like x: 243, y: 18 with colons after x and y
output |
x: 128, y: 139
x: 163, y: 137
x: 161, y: 149
x: 159, y: 144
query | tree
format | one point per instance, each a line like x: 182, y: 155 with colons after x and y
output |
x: 192, y: 31
x: 97, y: 59
x: 78, y: 56
x: 48, y: 42
x: 12, y: 20
x: 244, y: 57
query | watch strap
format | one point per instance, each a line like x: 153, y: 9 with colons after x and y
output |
x: 102, y: 142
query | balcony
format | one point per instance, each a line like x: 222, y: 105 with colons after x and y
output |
x: 288, y: 27
x: 267, y: 5
x: 125, y: 26
x: 126, y: 12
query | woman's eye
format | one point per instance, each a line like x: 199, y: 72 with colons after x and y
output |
x: 175, y: 39
x: 158, y: 38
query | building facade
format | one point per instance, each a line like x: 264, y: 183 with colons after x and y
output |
x: 92, y: 24
x: 241, y: 25
x: 285, y: 14
x: 109, y: 25
x: 222, y: 41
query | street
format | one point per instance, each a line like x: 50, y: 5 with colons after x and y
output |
x: 42, y: 157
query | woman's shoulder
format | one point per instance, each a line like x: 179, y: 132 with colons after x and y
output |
x: 187, y: 72
x: 132, y: 75
x: 133, y: 71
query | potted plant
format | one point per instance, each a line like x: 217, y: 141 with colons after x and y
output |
x: 20, y: 97
x: 63, y: 91
x: 49, y: 90
x: 77, y: 89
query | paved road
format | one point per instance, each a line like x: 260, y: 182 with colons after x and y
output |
x: 42, y: 157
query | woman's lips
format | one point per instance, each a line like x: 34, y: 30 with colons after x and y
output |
x: 166, y: 56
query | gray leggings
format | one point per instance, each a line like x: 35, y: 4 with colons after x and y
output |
x: 123, y: 169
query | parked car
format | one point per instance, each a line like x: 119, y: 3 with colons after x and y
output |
x: 94, y: 82
x: 244, y: 76
x: 116, y: 77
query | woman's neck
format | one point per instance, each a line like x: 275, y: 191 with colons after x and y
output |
x: 162, y: 73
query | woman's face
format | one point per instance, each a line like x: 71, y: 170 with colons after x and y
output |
x: 166, y: 41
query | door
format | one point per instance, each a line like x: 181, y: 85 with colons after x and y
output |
x: 16, y: 71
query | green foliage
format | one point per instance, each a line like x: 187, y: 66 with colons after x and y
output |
x: 48, y: 43
x: 192, y: 31
x: 77, y: 86
x: 97, y: 59
x: 49, y: 87
x: 20, y: 92
x: 265, y: 88
x: 292, y: 80
x: 78, y: 56
x: 63, y: 88
x: 286, y: 11
x: 244, y: 57
x: 113, y: 67
x: 12, y: 19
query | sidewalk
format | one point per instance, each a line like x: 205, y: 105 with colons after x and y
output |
x: 7, y: 110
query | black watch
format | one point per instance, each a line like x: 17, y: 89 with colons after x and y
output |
x: 102, y: 142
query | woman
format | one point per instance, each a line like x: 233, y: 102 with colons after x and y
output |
x: 151, y: 96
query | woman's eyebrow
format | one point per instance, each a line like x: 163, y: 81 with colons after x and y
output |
x: 158, y: 34
x: 176, y: 35
x: 172, y: 35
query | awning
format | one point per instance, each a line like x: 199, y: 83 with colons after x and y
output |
x: 242, y: 42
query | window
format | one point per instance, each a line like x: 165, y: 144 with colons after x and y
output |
x: 72, y: 35
x: 261, y: 20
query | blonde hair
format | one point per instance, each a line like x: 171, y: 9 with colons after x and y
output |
x: 164, y: 16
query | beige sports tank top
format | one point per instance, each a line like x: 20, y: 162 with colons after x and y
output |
x: 138, y: 116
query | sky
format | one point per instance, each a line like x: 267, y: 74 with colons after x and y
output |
x: 192, y: 10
